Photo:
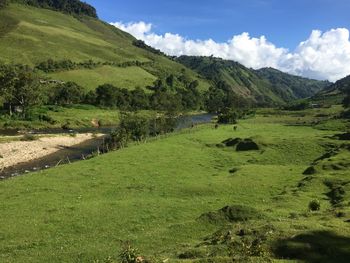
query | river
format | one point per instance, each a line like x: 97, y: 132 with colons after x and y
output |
x: 82, y: 150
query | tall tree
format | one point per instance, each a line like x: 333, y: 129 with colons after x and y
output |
x: 346, y: 101
x: 20, y: 87
x: 3, y: 3
x: 68, y: 93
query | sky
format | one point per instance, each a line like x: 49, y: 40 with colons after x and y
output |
x: 304, y: 37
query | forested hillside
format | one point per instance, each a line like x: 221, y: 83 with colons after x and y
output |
x: 264, y: 86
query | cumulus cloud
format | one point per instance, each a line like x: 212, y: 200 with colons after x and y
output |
x: 324, y: 55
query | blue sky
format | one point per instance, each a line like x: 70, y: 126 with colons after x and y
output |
x: 283, y: 22
x: 303, y: 37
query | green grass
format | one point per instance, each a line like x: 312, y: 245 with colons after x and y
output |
x: 42, y: 34
x: 76, y: 116
x: 152, y: 195
x: 129, y: 77
x: 30, y: 35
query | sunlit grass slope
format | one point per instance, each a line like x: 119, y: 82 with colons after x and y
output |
x: 152, y: 195
x: 129, y: 77
x: 31, y: 35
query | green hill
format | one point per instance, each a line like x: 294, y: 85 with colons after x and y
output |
x: 263, y: 86
x: 31, y: 35
x: 297, y: 87
x: 333, y: 94
x: 56, y: 35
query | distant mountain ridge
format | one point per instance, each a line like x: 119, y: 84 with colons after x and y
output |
x: 334, y: 93
x: 298, y: 87
x: 266, y: 85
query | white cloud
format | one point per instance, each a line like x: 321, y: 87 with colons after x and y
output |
x: 322, y: 56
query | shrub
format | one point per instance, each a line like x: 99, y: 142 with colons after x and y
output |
x: 253, y: 248
x: 3, y: 3
x: 68, y: 93
x: 314, y: 205
x: 129, y: 254
x: 303, y: 105
x: 29, y: 137
x: 73, y: 134
x: 66, y: 126
x: 47, y: 118
x: 233, y: 213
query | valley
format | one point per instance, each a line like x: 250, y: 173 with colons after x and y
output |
x: 112, y: 151
x: 92, y: 208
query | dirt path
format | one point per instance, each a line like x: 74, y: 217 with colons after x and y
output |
x: 12, y: 153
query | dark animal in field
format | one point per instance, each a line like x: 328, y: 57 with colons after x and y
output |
x: 216, y: 126
x: 235, y: 128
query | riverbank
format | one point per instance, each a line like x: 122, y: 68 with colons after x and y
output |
x: 20, y: 157
x: 191, y: 196
x: 16, y: 152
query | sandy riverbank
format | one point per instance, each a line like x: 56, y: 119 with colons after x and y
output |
x: 15, y: 152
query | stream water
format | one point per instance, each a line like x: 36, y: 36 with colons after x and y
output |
x: 79, y: 151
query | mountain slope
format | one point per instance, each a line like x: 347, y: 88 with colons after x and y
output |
x: 335, y: 93
x: 263, y: 86
x: 30, y: 35
x: 299, y: 87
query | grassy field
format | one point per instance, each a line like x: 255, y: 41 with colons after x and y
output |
x: 77, y: 116
x: 130, y: 77
x: 153, y: 195
x: 30, y: 36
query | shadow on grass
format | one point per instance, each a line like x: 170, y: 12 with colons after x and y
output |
x: 318, y: 246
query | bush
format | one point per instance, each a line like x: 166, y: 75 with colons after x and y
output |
x: 47, y: 118
x: 68, y: 93
x: 314, y: 205
x: 29, y: 137
x: 129, y: 254
x: 228, y: 118
x: 303, y: 105
x: 3, y: 3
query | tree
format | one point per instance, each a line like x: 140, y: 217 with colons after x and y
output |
x: 20, y: 87
x: 166, y: 101
x: 110, y: 96
x: 215, y: 100
x: 68, y: 93
x: 139, y: 99
x: 346, y: 101
x: 106, y: 95
x: 90, y: 97
x: 7, y: 82
x: 170, y: 80
x: 3, y: 3
x: 75, y: 7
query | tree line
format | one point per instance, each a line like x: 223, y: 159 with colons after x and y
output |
x: 160, y: 97
x: 3, y: 3
x: 143, y: 45
x: 21, y: 88
x: 74, y: 7
x: 51, y: 65
x: 135, y: 127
